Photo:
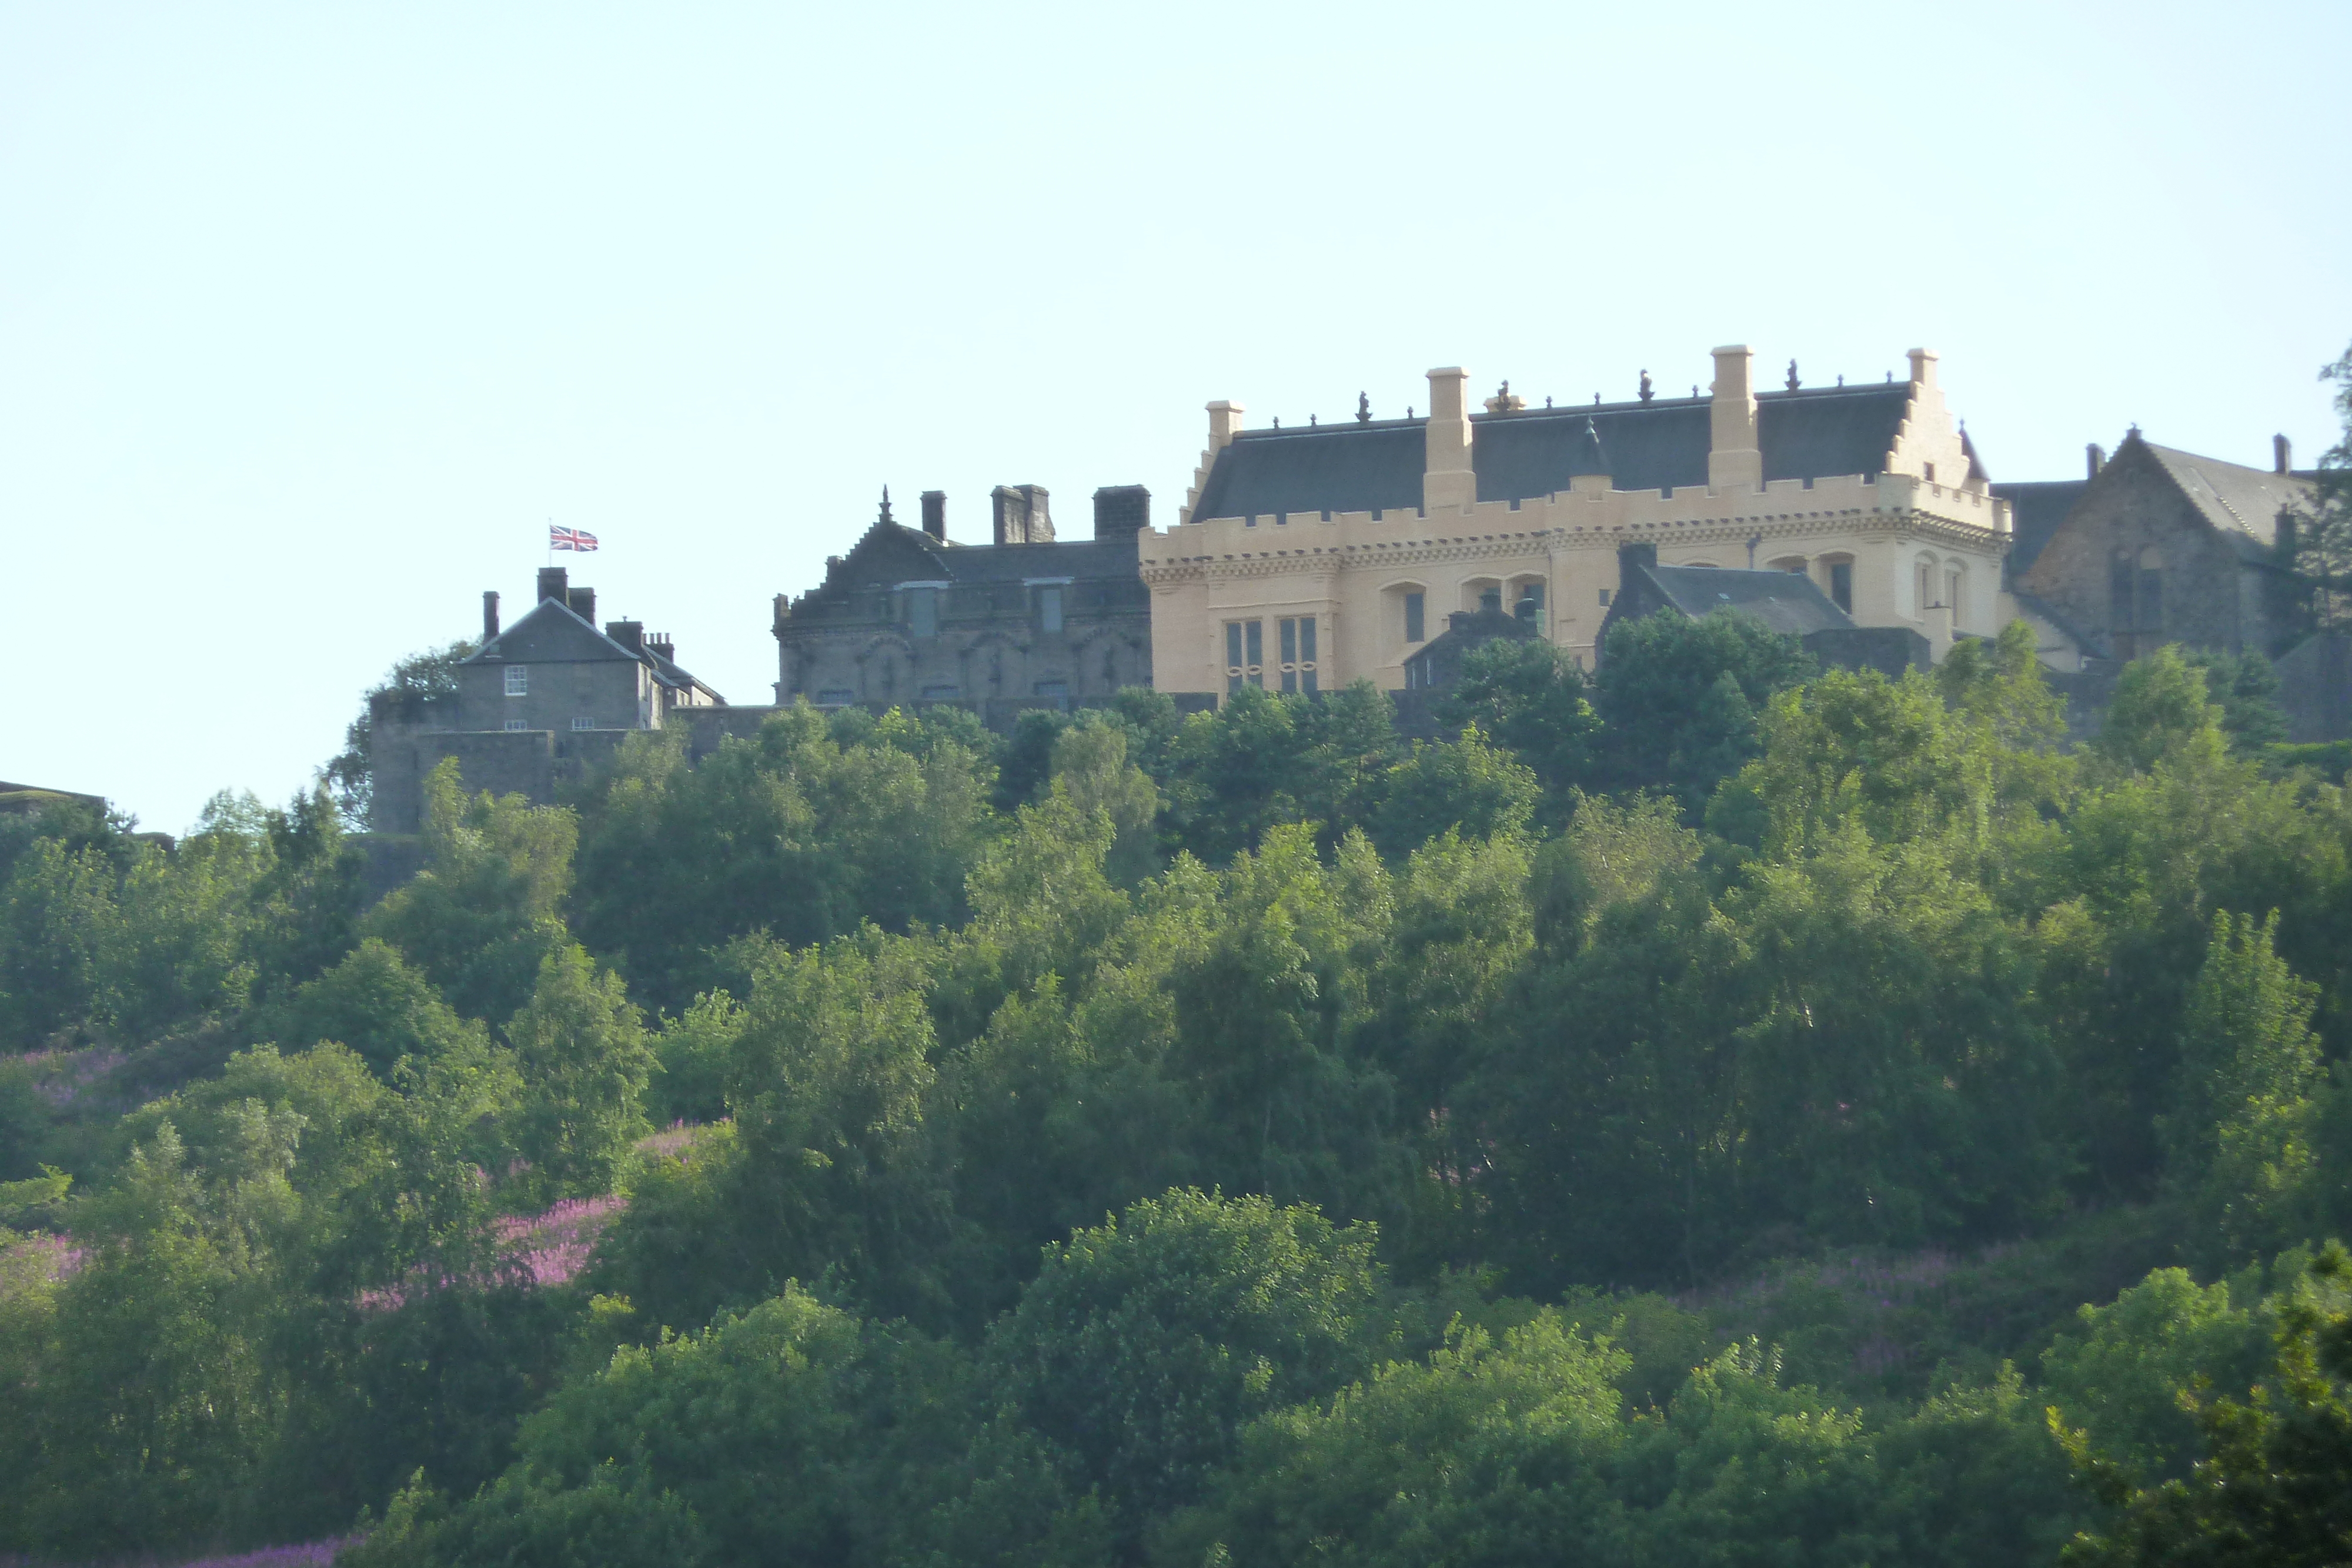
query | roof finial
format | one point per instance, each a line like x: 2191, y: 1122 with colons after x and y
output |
x: 1310, y: 419
x: 1647, y: 391
x: 1363, y: 408
x: 1792, y: 375
x: 886, y: 505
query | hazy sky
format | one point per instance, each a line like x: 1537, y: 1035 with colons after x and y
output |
x: 312, y: 315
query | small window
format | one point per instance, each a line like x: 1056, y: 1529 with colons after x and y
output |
x: 1841, y: 585
x: 835, y: 696
x: 1415, y: 626
x: 517, y: 724
x: 1050, y: 689
x: 581, y: 721
x: 1049, y: 610
x: 1245, y: 655
x: 1298, y: 664
x: 923, y: 611
x: 517, y: 680
x: 941, y: 693
x: 1931, y: 472
x: 1604, y: 598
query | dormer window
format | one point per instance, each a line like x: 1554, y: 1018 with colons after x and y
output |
x: 517, y: 680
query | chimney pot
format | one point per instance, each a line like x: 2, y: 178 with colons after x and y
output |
x: 551, y: 579
x: 2282, y: 456
x: 2095, y: 457
x: 489, y: 617
x: 935, y: 515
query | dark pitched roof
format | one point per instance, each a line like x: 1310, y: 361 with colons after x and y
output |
x: 553, y: 633
x: 893, y: 552
x: 2035, y: 511
x: 2243, y: 503
x: 1660, y: 445
x: 1787, y: 601
x: 1470, y: 628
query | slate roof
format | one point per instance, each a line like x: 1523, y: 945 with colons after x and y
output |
x: 2035, y: 511
x: 1787, y: 601
x: 2244, y: 504
x: 553, y: 633
x: 893, y: 552
x: 1815, y: 432
x: 1468, y: 630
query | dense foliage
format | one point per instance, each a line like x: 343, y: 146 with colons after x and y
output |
x: 1713, y: 1109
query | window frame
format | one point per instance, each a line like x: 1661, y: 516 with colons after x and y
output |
x: 517, y: 680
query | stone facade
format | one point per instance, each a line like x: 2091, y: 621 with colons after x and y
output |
x: 2159, y: 546
x: 538, y: 703
x: 911, y: 617
x: 1360, y: 539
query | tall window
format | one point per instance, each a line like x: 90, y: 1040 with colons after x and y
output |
x: 1952, y: 599
x: 1049, y: 610
x: 1841, y: 585
x: 1245, y: 655
x: 2151, y: 599
x: 1926, y: 589
x: 1298, y: 653
x: 517, y: 680
x: 2119, y: 594
x: 1414, y: 625
x: 923, y: 611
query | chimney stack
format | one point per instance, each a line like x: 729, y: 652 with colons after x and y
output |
x: 1019, y: 515
x: 935, y: 515
x: 659, y: 644
x: 2282, y: 456
x: 1224, y: 424
x: 582, y: 601
x: 489, y: 617
x: 1448, y: 482
x: 2095, y: 457
x: 629, y: 634
x: 1733, y: 458
x: 1121, y: 513
x: 551, y: 579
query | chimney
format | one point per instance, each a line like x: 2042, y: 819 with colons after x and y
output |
x: 2282, y: 456
x: 1447, y: 480
x: 551, y: 582
x: 1224, y: 424
x: 1121, y: 513
x: 1019, y: 515
x: 2095, y: 457
x: 1733, y: 458
x: 1923, y: 367
x: 489, y: 617
x: 629, y: 634
x: 935, y: 515
x: 582, y: 601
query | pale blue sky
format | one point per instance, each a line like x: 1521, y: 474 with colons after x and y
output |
x: 312, y: 315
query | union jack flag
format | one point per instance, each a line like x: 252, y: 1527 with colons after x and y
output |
x: 570, y: 539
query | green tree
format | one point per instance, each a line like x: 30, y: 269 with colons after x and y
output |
x: 1680, y: 699
x: 2158, y: 713
x: 2120, y: 1379
x: 2276, y: 1487
x: 407, y: 695
x: 1463, y: 786
x: 581, y: 1046
x: 1145, y: 1343
x: 374, y: 1002
x: 485, y: 911
x: 1531, y: 698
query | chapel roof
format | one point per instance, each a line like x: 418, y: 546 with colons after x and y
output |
x: 1815, y: 433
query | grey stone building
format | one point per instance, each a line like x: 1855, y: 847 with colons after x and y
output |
x: 536, y: 702
x: 1789, y: 602
x: 909, y: 616
x: 2159, y: 546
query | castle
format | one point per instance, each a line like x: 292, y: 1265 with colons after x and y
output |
x: 1859, y: 518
